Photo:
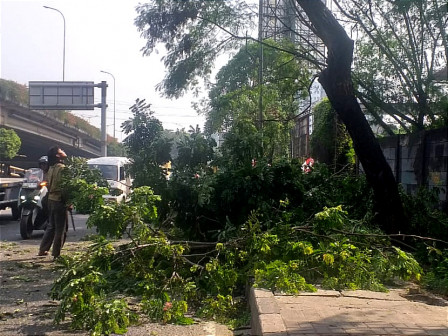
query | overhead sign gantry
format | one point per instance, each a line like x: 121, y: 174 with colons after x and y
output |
x: 69, y: 96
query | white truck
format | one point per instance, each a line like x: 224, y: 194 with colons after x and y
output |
x: 11, y: 179
x: 113, y: 169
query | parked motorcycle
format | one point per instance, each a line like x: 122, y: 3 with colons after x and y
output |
x: 33, y: 210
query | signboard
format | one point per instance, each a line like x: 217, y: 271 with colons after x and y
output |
x: 61, y: 95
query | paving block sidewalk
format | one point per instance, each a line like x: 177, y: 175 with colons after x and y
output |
x: 346, y: 313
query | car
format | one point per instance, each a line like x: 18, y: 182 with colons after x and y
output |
x: 114, y: 170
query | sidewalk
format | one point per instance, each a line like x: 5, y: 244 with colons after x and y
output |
x: 347, y: 313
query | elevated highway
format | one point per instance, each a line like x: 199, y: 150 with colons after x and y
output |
x: 38, y: 131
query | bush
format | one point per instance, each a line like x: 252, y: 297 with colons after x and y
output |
x: 426, y: 220
x: 424, y: 215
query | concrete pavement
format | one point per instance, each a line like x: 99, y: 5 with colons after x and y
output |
x: 325, y: 313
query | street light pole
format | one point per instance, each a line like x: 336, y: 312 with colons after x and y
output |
x: 114, y: 94
x: 63, y: 53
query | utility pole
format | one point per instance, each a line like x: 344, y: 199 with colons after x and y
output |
x: 114, y: 95
x: 260, y: 66
x: 103, y: 86
x: 63, y: 50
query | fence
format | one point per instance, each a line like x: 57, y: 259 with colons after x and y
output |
x: 419, y: 159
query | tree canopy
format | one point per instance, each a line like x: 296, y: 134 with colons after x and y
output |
x: 235, y: 97
x: 400, y: 46
x: 194, y: 33
x: 9, y: 144
x: 146, y: 147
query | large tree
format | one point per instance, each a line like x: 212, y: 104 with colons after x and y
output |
x: 234, y: 98
x: 400, y: 46
x: 191, y: 32
x: 146, y: 146
x: 336, y: 79
x: 9, y: 144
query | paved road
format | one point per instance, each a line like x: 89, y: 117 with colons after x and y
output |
x: 10, y: 230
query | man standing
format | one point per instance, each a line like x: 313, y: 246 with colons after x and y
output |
x: 57, y: 207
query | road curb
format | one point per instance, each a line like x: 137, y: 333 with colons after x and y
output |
x: 265, y: 314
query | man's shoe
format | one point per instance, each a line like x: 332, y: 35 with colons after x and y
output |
x: 42, y: 253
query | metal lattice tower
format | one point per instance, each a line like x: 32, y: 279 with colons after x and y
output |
x: 282, y: 19
x: 285, y: 19
x: 278, y: 21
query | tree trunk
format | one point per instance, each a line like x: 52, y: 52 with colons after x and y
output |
x: 337, y: 81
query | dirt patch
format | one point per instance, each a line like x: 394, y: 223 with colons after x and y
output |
x: 26, y: 308
x: 26, y: 280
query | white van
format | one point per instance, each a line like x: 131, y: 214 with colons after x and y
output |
x: 113, y: 170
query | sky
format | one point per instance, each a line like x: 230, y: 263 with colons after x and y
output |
x: 100, y: 35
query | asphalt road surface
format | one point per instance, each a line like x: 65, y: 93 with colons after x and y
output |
x: 10, y: 229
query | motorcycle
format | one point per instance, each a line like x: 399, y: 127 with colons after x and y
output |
x: 32, y: 203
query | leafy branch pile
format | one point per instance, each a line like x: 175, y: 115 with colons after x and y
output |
x: 107, y: 287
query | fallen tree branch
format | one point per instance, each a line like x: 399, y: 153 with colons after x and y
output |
x: 403, y: 235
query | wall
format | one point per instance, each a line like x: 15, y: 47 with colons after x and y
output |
x: 419, y: 159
